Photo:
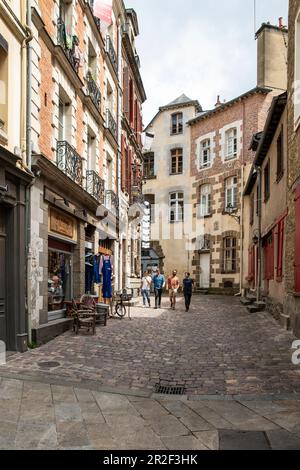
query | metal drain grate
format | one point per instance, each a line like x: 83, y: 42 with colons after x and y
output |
x: 169, y: 390
x: 48, y: 365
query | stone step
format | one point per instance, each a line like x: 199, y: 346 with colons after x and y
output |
x: 285, y: 321
x: 244, y: 301
x: 251, y: 298
x: 256, y: 307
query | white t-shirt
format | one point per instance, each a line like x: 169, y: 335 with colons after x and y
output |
x: 146, y: 282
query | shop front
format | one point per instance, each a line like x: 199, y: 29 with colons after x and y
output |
x: 13, y: 316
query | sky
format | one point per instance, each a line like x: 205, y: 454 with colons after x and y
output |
x: 202, y: 48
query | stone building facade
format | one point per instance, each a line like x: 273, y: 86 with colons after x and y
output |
x: 77, y: 93
x: 220, y: 164
x: 14, y: 176
x: 292, y: 301
x: 168, y: 187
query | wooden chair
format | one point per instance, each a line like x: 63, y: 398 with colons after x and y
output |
x: 83, y: 318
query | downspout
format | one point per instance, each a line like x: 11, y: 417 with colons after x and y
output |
x: 242, y: 205
x: 259, y: 246
x: 29, y: 166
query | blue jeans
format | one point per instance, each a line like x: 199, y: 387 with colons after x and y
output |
x: 146, y: 296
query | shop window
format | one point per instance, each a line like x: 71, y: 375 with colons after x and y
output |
x: 59, y: 279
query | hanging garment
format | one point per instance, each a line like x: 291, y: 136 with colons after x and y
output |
x: 106, y: 276
x: 97, y: 278
x: 69, y: 41
x: 89, y: 272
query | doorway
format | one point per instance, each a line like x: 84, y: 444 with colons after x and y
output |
x: 205, y: 271
x: 3, y: 307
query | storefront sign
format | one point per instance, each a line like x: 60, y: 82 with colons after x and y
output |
x: 61, y: 224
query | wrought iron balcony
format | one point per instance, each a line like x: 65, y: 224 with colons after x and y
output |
x: 97, y: 20
x: 67, y: 45
x: 111, y: 201
x: 93, y: 91
x: 95, y: 186
x: 69, y: 161
x: 112, y: 53
x: 111, y: 124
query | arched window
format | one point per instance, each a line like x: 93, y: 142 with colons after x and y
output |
x: 205, y: 153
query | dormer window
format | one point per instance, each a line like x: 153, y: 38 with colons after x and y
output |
x: 177, y: 123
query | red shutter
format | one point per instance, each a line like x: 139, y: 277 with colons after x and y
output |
x: 123, y: 164
x: 129, y: 171
x: 126, y: 92
x: 269, y: 258
x: 280, y: 244
x: 297, y: 241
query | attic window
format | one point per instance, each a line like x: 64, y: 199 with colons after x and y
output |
x: 177, y: 123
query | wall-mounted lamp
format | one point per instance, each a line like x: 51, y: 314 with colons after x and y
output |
x: 231, y: 211
x: 255, y: 238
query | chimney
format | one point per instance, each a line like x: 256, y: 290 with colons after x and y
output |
x: 272, y: 56
x: 218, y: 103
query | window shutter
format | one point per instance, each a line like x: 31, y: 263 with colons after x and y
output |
x: 126, y: 92
x: 297, y: 247
x: 123, y: 164
x: 280, y: 242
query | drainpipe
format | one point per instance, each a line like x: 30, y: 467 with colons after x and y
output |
x: 259, y: 253
x: 29, y: 165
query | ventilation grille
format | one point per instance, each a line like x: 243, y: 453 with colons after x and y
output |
x: 169, y: 390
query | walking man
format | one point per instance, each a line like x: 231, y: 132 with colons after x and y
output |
x: 173, y: 286
x: 146, y: 286
x: 188, y: 285
x: 159, y: 283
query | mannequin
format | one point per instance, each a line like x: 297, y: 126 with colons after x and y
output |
x: 106, y: 269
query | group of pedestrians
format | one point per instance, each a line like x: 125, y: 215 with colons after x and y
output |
x: 172, y: 284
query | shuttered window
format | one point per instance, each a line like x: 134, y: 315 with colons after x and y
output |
x: 297, y: 241
x: 280, y: 244
x: 269, y: 258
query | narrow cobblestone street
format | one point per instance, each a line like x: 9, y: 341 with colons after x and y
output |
x: 100, y: 396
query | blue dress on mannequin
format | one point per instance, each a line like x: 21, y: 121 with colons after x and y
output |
x: 106, y: 277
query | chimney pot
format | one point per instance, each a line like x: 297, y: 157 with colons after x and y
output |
x: 281, y: 22
x: 218, y: 103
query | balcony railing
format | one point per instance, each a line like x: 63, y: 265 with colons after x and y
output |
x: 93, y: 91
x: 111, y: 124
x: 112, y: 53
x: 69, y: 161
x: 68, y: 44
x: 97, y: 20
x: 111, y: 201
x: 95, y: 186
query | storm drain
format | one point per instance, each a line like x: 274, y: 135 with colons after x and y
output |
x: 48, y: 365
x: 169, y: 390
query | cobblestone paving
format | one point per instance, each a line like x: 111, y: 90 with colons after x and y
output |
x: 41, y: 416
x: 217, y: 348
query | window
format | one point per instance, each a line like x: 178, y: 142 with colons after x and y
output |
x: 205, y: 154
x: 149, y: 166
x: 231, y: 193
x: 251, y: 264
x: 297, y: 72
x: 91, y: 151
x: 205, y: 200
x: 269, y: 257
x: 176, y: 207
x: 177, y: 123
x: 176, y: 162
x: 61, y: 121
x: 150, y: 200
x: 231, y: 144
x: 267, y: 181
x: 230, y: 252
x: 280, y: 157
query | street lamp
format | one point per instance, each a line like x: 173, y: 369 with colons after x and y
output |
x: 231, y: 211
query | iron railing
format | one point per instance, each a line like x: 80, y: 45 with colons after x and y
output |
x: 93, y: 91
x: 69, y: 161
x: 111, y: 201
x: 97, y: 20
x: 68, y: 46
x: 95, y: 186
x: 111, y: 124
x: 112, y: 53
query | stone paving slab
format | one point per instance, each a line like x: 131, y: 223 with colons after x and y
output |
x: 216, y: 349
x: 85, y: 420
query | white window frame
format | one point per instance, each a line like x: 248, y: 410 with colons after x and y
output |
x: 231, y: 143
x: 231, y: 192
x: 205, y: 200
x: 205, y: 153
x: 177, y: 203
